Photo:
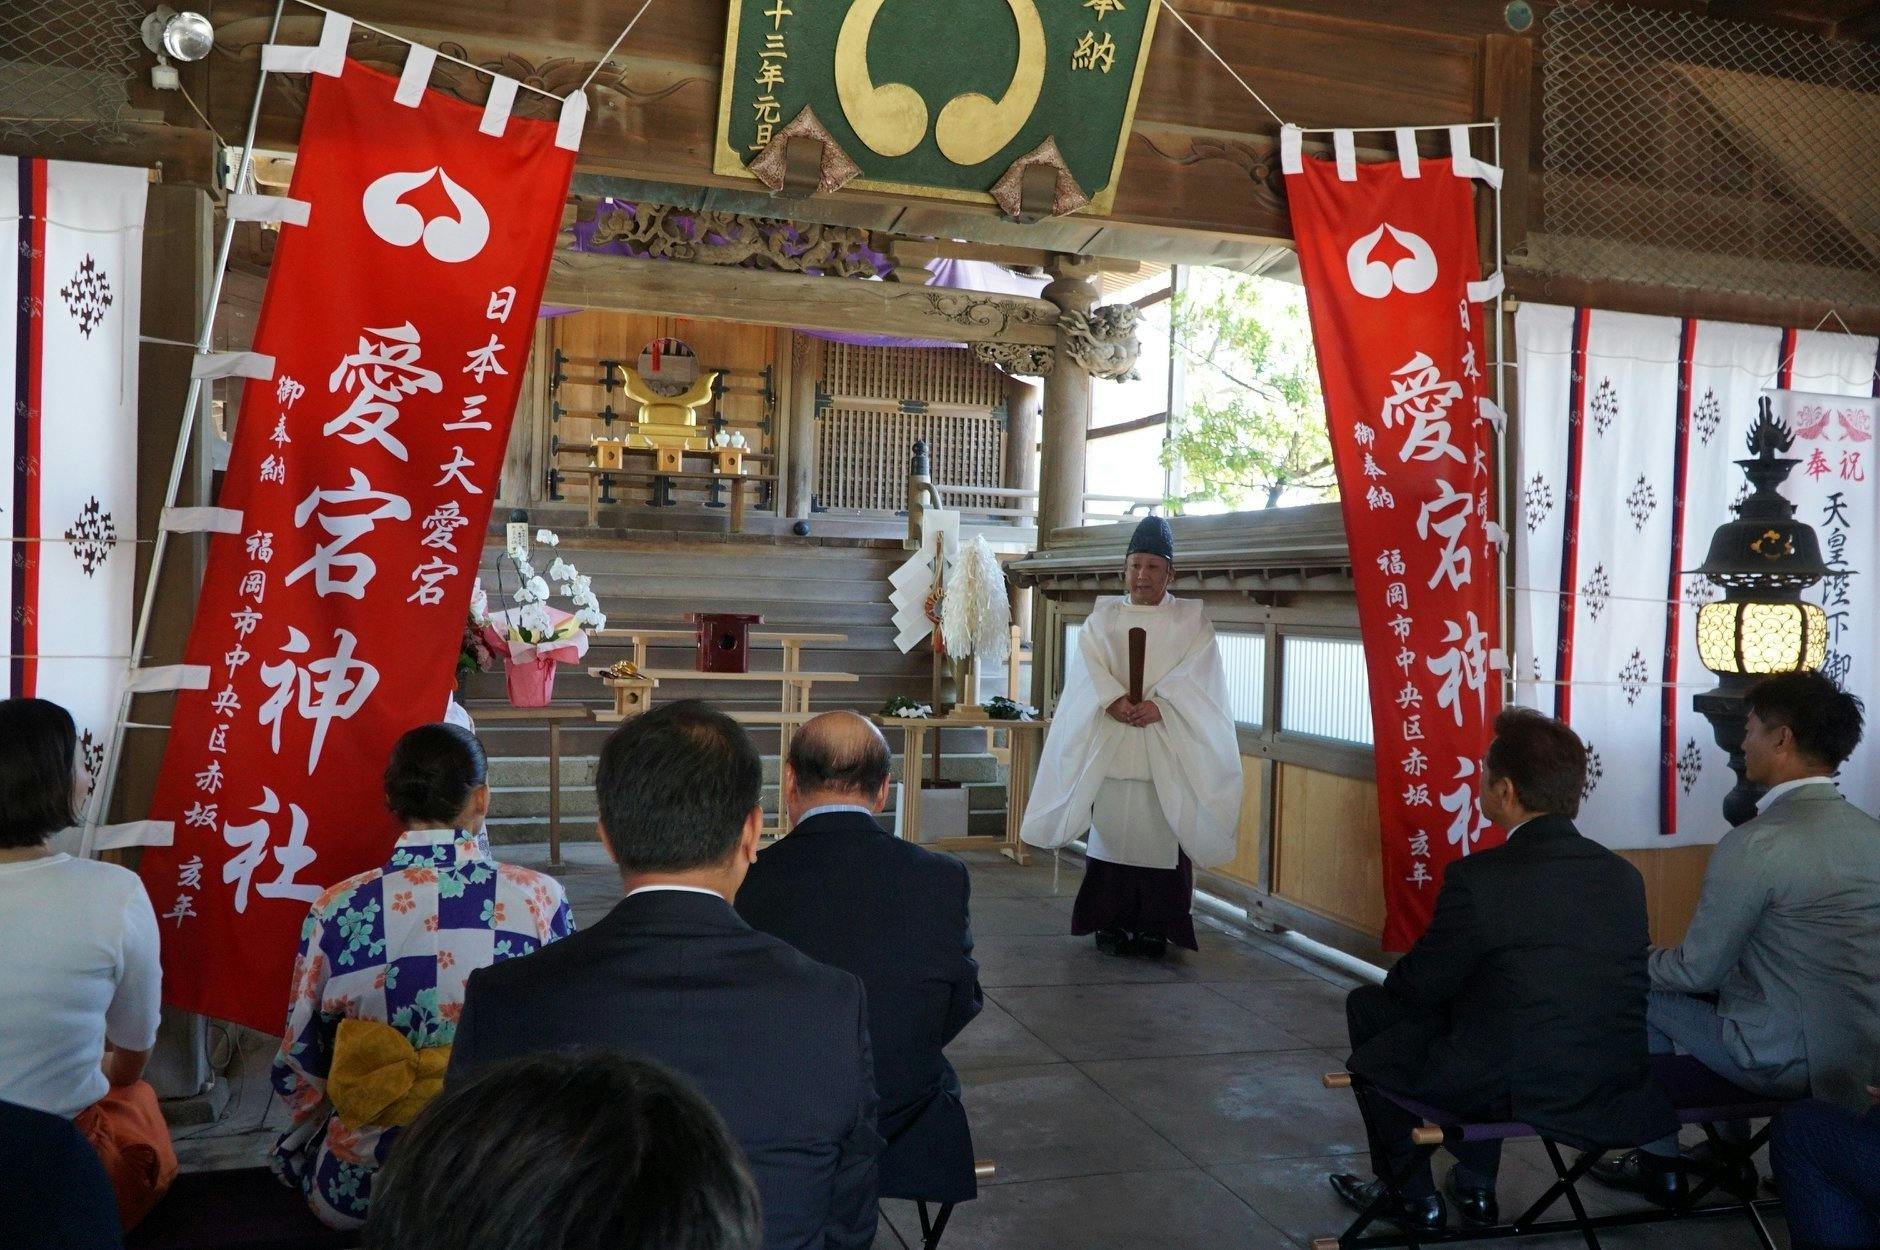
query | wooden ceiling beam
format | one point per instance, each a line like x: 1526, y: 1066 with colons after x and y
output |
x: 1864, y: 25
x: 1833, y: 19
x: 1813, y: 18
x: 1200, y: 190
x: 183, y: 157
x: 1655, y: 300
x: 796, y: 301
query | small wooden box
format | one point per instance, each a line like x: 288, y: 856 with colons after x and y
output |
x: 728, y: 459
x: 724, y: 641
x: 632, y: 695
x: 669, y: 459
x: 609, y: 454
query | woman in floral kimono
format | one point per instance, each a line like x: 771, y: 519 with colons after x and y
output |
x: 379, y: 980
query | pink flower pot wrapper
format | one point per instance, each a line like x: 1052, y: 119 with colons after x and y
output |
x: 531, y: 683
x: 530, y: 668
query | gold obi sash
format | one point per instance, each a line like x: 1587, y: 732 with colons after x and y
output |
x: 378, y: 1079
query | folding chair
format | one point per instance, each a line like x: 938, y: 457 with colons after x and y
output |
x: 933, y: 1224
x: 1698, y: 1096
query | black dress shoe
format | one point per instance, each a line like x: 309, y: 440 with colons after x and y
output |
x: 1419, y: 1215
x: 1475, y: 1204
x: 1640, y: 1172
x: 1113, y: 941
x: 1146, y: 946
x: 1739, y: 1177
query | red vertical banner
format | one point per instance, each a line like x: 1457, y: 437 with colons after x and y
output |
x: 398, y: 318
x: 1389, y: 257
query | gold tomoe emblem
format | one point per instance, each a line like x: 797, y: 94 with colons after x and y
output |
x: 892, y: 118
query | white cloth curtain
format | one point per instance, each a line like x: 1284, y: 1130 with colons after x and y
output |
x: 70, y: 282
x: 1628, y: 427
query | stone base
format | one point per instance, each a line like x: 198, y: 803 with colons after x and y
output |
x: 204, y: 1108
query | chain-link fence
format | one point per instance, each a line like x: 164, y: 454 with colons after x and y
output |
x: 1687, y: 152
x: 65, y: 67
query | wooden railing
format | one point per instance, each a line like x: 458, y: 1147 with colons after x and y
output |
x: 965, y: 500
x: 1025, y: 510
x: 1146, y: 505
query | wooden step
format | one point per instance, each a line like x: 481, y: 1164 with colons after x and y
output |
x: 577, y: 771
x: 585, y: 739
x: 509, y: 831
x: 691, y: 523
x: 747, y: 588
x: 579, y: 802
x: 839, y: 657
x: 829, y: 563
x: 867, y: 693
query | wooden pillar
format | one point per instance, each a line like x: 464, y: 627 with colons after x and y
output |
x: 1066, y: 406
x: 806, y: 373
x: 178, y: 265
x: 1023, y: 399
x: 178, y: 268
x: 525, y: 469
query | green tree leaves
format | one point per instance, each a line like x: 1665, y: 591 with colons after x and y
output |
x: 1251, y: 433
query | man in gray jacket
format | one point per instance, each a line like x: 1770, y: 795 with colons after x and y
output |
x: 1776, y: 985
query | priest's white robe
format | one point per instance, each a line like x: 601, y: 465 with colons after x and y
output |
x: 1142, y: 794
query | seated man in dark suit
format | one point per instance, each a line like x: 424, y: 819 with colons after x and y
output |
x: 776, y: 1043
x: 1827, y: 1162
x: 54, y: 1194
x: 847, y: 893
x: 1525, y: 998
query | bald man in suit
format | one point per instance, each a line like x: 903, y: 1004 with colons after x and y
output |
x: 849, y: 894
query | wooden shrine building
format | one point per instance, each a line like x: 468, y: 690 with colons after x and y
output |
x: 816, y: 321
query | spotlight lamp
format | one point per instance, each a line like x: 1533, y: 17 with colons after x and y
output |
x: 175, y: 36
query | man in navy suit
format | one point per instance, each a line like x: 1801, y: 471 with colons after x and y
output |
x: 777, y: 1043
x: 847, y: 893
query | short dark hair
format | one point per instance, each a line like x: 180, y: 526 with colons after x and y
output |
x: 581, y: 1151
x: 1825, y: 719
x: 433, y: 771
x: 1544, y: 759
x: 675, y: 786
x: 825, y: 761
x: 38, y: 756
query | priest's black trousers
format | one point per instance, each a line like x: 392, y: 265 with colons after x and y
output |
x: 1152, y: 902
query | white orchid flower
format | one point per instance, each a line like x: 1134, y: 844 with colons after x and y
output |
x: 547, y: 538
x: 534, y: 619
x: 561, y: 570
x: 538, y: 588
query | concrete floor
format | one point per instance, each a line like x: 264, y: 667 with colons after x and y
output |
x: 1127, y: 1105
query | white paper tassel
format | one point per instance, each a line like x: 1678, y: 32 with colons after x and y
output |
x: 976, y: 617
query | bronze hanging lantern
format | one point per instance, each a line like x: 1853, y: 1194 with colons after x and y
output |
x: 1762, y: 561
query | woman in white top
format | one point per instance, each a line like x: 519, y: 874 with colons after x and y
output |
x: 79, y: 977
